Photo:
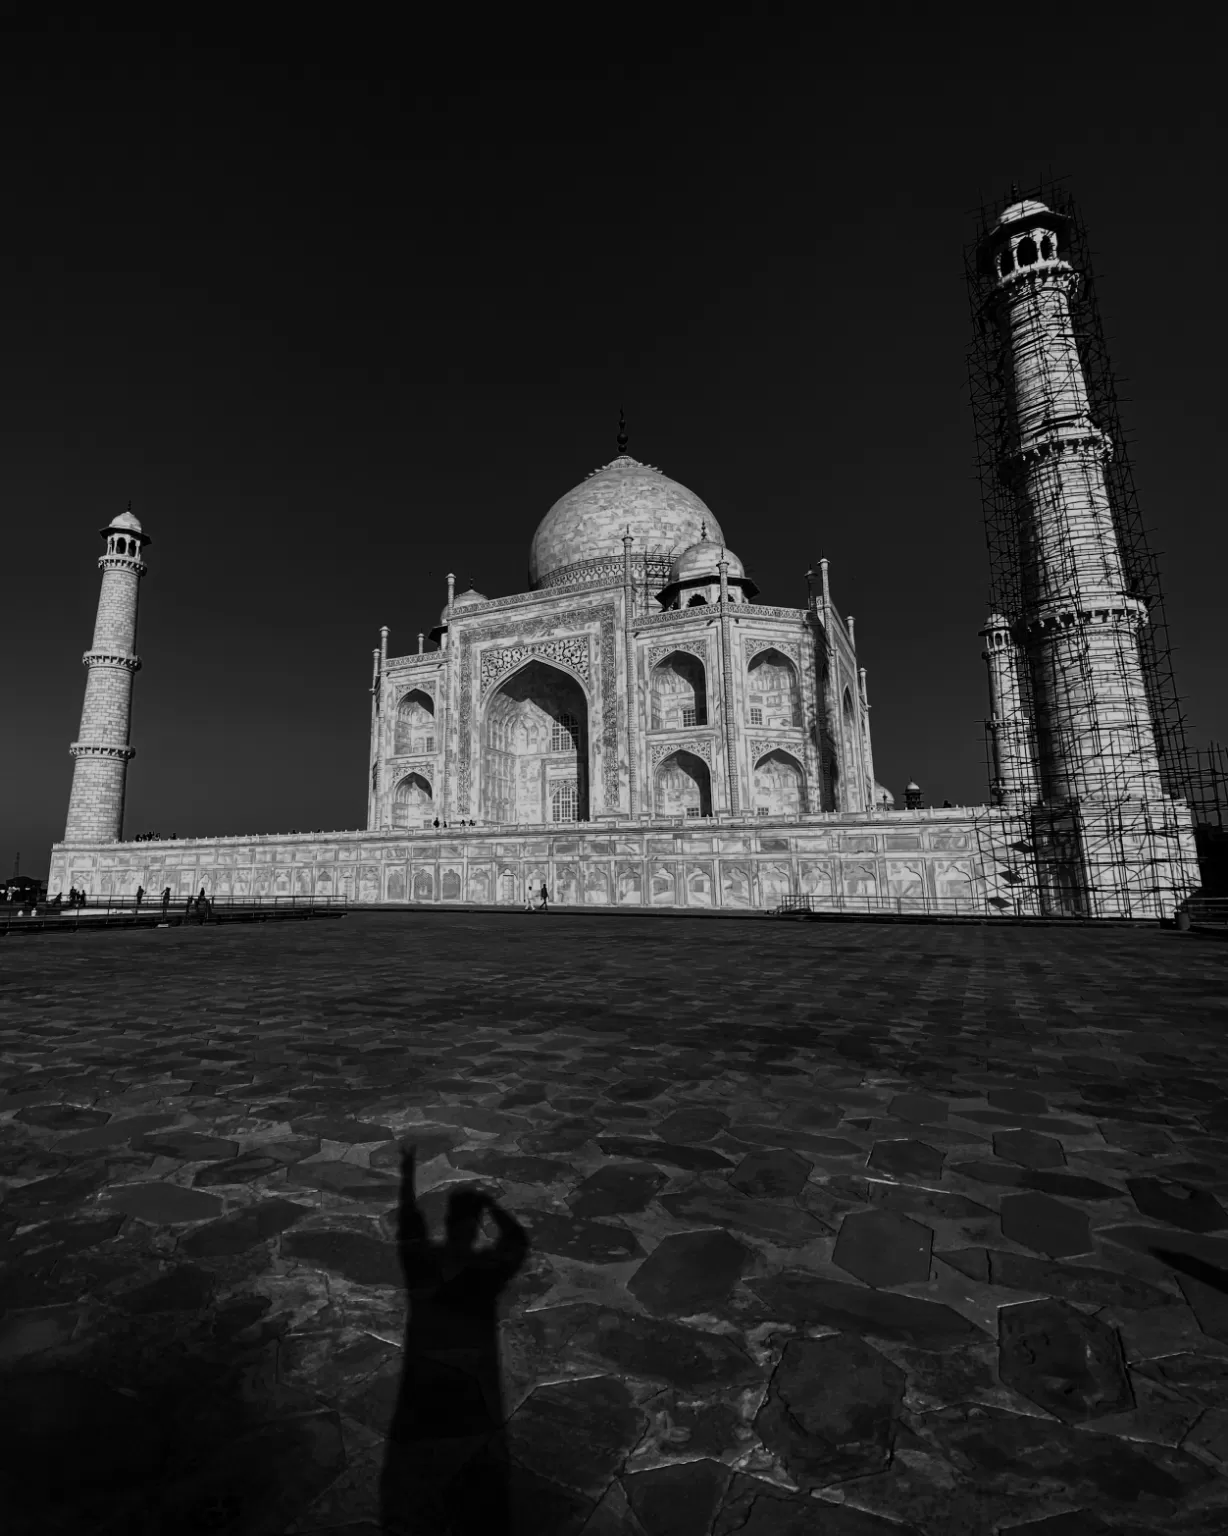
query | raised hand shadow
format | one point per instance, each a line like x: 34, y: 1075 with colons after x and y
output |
x: 445, y: 1470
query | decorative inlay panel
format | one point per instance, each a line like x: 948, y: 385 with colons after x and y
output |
x: 701, y: 746
x: 425, y: 685
x: 426, y: 659
x: 694, y: 647
x: 752, y: 645
x: 760, y: 746
x: 571, y: 652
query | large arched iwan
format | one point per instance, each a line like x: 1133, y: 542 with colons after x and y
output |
x: 534, y: 762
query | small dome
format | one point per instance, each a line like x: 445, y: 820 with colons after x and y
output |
x: 126, y: 522
x: 997, y: 621
x: 590, y: 521
x: 468, y: 598
x: 1026, y: 209
x: 912, y: 787
x: 700, y: 559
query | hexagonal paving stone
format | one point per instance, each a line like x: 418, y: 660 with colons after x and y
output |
x: 831, y: 1410
x: 689, y: 1272
x: 362, y: 1259
x: 634, y: 1090
x: 808, y: 1301
x: 1047, y: 1180
x: 577, y: 1432
x: 1047, y: 1225
x: 1184, y: 1205
x: 348, y: 1179
x: 770, y: 1174
x: 236, y: 1170
x: 671, y: 1154
x: 919, y: 1108
x: 680, y: 1499
x: 338, y: 1128
x: 616, y: 1188
x: 689, y: 1359
x: 1065, y: 1362
x: 163, y: 1204
x: 243, y: 1229
x: 1207, y: 1295
x: 55, y: 1117
x: 906, y: 1159
x: 883, y: 1248
x: 114, y: 1133
x: 1029, y: 1149
x: 509, y: 1165
x: 1022, y: 1101
x: 693, y: 1123
x: 753, y: 1507
x: 186, y: 1288
x: 774, y: 1221
x: 594, y: 1242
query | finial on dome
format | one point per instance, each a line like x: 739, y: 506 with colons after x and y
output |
x: 622, y: 431
x: 703, y: 529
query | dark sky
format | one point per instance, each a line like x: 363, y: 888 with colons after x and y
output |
x: 342, y: 312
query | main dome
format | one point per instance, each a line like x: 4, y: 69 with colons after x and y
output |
x: 590, y: 521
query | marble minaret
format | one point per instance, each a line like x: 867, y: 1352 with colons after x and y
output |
x: 102, y: 750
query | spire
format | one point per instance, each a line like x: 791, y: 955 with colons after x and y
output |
x: 622, y: 431
x: 703, y: 529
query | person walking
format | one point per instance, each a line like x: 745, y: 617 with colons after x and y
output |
x: 545, y: 898
x: 166, y: 902
x: 140, y: 891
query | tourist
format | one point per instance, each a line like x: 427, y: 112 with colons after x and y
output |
x: 545, y: 898
x: 166, y: 902
x: 140, y: 891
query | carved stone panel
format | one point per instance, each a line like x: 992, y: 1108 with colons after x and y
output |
x: 694, y: 647
x: 752, y: 645
x: 571, y: 652
x: 701, y: 746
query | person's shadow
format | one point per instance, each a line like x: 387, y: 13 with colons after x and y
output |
x: 446, y: 1466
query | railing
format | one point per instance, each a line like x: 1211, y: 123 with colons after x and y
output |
x: 1207, y: 911
x: 117, y: 911
x: 922, y: 905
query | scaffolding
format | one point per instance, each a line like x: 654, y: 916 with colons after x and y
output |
x: 1099, y: 723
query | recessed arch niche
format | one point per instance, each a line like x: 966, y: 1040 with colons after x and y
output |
x: 535, y: 748
x: 679, y: 692
x: 773, y: 693
x: 780, y: 785
x: 413, y: 803
x: 415, y: 728
x: 682, y: 786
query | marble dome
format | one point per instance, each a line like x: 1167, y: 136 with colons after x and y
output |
x: 590, y: 521
x: 127, y: 522
x: 700, y: 560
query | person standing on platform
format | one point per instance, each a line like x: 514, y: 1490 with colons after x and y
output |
x: 140, y: 891
x: 166, y: 902
x: 545, y: 898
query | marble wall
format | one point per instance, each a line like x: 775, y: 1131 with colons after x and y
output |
x: 908, y: 861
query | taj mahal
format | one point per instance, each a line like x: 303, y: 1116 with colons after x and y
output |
x: 636, y: 728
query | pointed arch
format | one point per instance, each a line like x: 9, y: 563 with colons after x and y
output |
x: 682, y: 786
x: 679, y: 692
x: 415, y: 722
x: 534, y: 751
x: 780, y: 785
x: 413, y: 801
x: 773, y: 690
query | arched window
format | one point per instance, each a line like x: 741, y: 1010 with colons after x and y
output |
x: 1026, y: 252
x: 683, y: 786
x: 1005, y: 262
x: 698, y: 601
x: 413, y: 803
x: 780, y: 786
x: 564, y: 803
x: 415, y: 726
x: 773, y: 694
x: 679, y: 692
x: 1046, y: 249
x: 565, y: 737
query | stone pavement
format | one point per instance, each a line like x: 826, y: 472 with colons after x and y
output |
x: 789, y: 1229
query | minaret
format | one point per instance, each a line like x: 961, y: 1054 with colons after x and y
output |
x: 1077, y: 626
x: 1013, y: 752
x: 96, y: 806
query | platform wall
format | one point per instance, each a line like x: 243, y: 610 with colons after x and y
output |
x: 949, y: 860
